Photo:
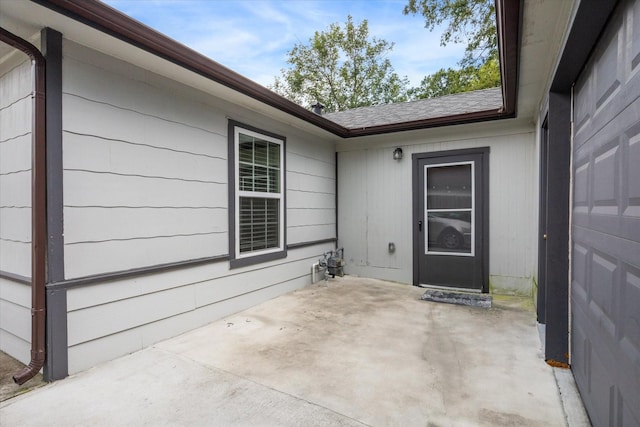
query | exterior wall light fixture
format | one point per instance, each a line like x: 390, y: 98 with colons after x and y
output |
x: 397, y: 154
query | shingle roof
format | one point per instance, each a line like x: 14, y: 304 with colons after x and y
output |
x: 450, y: 105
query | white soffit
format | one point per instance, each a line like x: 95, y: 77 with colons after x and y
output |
x: 544, y: 24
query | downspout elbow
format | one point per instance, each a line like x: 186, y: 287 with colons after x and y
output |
x: 30, y: 371
x: 36, y: 363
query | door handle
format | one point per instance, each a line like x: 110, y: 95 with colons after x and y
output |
x: 419, y: 225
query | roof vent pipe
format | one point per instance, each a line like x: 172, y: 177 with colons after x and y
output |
x: 38, y: 209
x: 317, y: 108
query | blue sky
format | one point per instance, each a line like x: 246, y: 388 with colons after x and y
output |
x: 252, y: 37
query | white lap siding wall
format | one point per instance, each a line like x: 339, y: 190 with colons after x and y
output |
x: 376, y: 196
x: 16, y: 82
x: 145, y: 183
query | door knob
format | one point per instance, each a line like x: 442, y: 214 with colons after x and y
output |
x: 419, y: 225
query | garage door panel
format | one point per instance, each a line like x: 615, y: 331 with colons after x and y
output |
x: 591, y: 366
x: 631, y: 192
x: 624, y: 98
x: 582, y: 104
x: 603, y: 387
x: 605, y: 188
x: 581, y: 189
x: 612, y: 83
x: 625, y: 250
x: 603, y: 305
x: 605, y: 326
x: 632, y: 171
x: 608, y: 66
x: 606, y: 168
x: 606, y: 224
x: 579, y: 284
x: 631, y: 227
x: 602, y: 391
x: 630, y: 315
x: 629, y: 398
x: 580, y: 348
x: 629, y: 417
x: 633, y: 24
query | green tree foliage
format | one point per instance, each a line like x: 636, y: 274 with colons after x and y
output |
x: 468, y: 21
x: 342, y: 68
x: 449, y: 81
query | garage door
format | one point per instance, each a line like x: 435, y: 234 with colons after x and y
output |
x: 605, y: 289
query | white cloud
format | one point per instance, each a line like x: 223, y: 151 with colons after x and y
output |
x: 252, y: 37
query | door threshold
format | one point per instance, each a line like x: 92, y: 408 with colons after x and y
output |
x: 451, y: 288
x: 474, y: 299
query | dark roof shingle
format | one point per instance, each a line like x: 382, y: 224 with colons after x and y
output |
x: 450, y: 105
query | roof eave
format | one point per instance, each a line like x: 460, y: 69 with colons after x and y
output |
x: 508, y: 24
x: 110, y: 21
x: 458, y: 119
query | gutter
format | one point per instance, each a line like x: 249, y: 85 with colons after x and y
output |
x: 110, y: 21
x: 38, y: 209
x: 433, y: 122
x: 508, y: 25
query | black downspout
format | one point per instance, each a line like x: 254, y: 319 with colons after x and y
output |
x: 38, y: 209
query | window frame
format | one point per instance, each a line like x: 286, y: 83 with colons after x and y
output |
x: 236, y: 258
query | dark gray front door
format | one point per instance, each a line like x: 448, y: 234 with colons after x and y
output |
x: 605, y: 285
x: 450, y: 229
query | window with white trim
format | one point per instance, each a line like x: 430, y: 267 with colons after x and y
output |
x: 259, y: 194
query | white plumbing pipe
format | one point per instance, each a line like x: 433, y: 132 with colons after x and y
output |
x: 314, y: 269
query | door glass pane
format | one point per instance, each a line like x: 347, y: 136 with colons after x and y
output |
x: 449, y: 232
x: 449, y: 187
x: 449, y: 209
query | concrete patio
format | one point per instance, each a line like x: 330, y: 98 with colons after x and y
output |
x: 356, y: 352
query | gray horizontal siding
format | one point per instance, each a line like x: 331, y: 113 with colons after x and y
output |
x: 119, y: 255
x: 145, y: 183
x: 15, y: 298
x: 311, y: 191
x: 376, y: 198
x: 145, y: 170
x: 93, y: 117
x: 146, y: 161
x: 157, y: 306
x: 15, y: 204
x: 129, y: 223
